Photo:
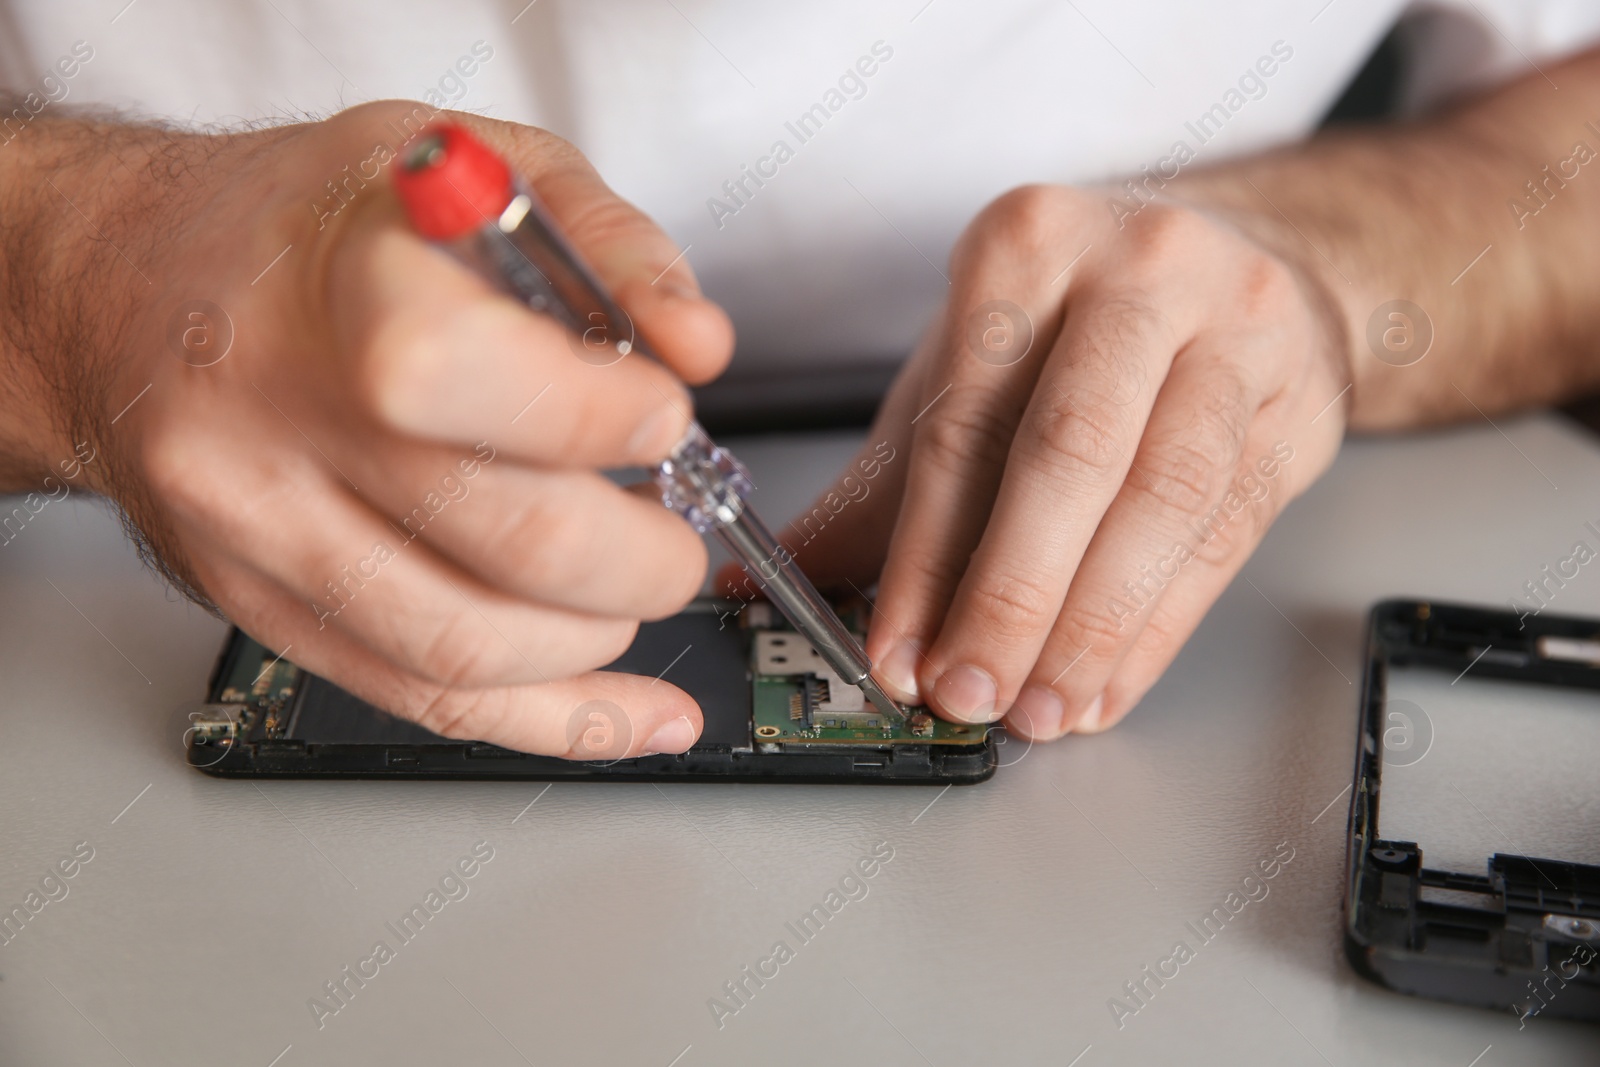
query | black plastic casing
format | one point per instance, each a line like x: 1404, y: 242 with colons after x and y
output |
x: 1527, y: 938
x: 333, y: 734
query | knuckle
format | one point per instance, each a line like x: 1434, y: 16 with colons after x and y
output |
x: 962, y: 437
x: 1074, y: 443
x: 1097, y: 635
x: 183, y: 467
x: 1126, y: 326
x: 1266, y: 284
x: 1162, y: 231
x: 1011, y: 608
x: 382, y: 117
x: 605, y: 413
x: 460, y: 714
x: 1022, y: 221
x: 393, y: 374
x: 1024, y: 208
x: 1226, y: 404
x: 445, y: 713
x: 1124, y: 320
x: 1184, y: 469
x: 1180, y: 477
x: 1260, y: 513
x: 1162, y: 634
x: 935, y: 572
x: 602, y: 220
x: 167, y: 456
x: 455, y: 654
x: 600, y: 413
x: 551, y: 147
x: 544, y: 546
x: 1236, y: 523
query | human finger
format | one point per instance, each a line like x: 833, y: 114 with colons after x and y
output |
x: 1183, y: 474
x: 597, y: 715
x: 563, y: 538
x: 1069, y: 456
x: 352, y: 572
x: 432, y: 351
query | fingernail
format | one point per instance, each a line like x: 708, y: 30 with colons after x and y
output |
x: 968, y: 693
x: 677, y: 291
x: 1041, y: 709
x: 898, y: 671
x: 650, y: 438
x: 672, y: 738
x: 1089, y: 721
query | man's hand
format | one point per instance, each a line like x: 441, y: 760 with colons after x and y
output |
x: 1122, y: 393
x: 358, y: 451
x: 1092, y: 438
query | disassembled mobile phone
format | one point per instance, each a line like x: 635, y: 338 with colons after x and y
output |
x: 1523, y: 934
x: 774, y: 712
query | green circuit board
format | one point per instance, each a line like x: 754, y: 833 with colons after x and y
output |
x: 263, y: 685
x: 797, y: 699
x: 774, y: 704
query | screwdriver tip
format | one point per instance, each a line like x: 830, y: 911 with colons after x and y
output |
x: 881, y: 700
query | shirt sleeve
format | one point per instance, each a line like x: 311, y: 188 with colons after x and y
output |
x: 16, y: 67
x: 1458, y: 46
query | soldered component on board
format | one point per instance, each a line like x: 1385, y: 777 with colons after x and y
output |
x: 800, y: 699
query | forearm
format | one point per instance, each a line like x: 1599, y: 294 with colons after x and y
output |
x: 1404, y: 213
x: 85, y: 205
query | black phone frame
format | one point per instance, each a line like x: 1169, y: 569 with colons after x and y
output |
x: 251, y: 754
x: 1527, y: 937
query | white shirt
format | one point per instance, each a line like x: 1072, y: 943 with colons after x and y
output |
x: 838, y: 254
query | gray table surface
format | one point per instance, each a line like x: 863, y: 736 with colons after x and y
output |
x: 1009, y: 916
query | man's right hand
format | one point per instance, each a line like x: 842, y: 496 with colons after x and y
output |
x: 357, y: 450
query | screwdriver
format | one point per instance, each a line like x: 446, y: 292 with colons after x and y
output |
x: 458, y: 193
